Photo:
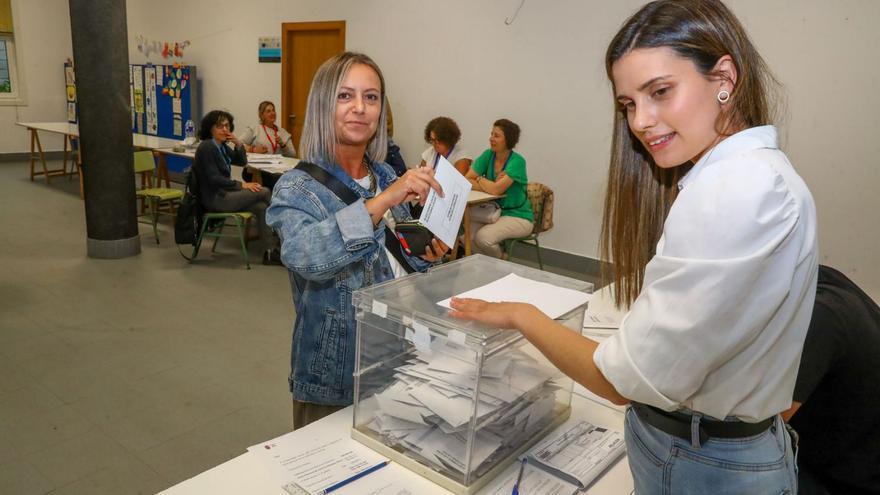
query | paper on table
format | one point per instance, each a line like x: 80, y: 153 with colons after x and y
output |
x: 601, y: 320
x: 552, y: 300
x: 580, y: 454
x: 442, y: 216
x: 316, y: 463
x: 534, y: 482
x: 263, y: 158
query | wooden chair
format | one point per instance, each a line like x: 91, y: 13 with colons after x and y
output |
x: 541, y: 198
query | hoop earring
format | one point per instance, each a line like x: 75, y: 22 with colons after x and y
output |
x: 723, y: 96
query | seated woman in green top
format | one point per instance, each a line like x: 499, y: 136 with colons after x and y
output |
x: 500, y: 170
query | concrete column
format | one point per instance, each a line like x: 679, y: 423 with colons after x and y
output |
x: 100, y: 51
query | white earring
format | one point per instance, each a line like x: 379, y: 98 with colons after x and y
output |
x: 723, y: 96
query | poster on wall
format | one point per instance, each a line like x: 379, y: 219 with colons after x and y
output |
x: 151, y: 106
x: 139, y: 98
x: 131, y: 94
x: 71, y: 112
x: 269, y: 49
x: 69, y: 77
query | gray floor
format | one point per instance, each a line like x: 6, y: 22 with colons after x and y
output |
x: 128, y: 376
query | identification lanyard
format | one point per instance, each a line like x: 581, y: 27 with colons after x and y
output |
x: 447, y: 155
x: 224, y: 152
x: 275, y: 144
x: 492, y: 163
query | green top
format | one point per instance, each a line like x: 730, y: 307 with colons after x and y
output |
x: 515, y: 202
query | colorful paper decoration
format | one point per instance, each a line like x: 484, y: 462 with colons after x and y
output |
x: 167, y: 49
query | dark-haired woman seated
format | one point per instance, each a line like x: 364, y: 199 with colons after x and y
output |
x: 443, y: 134
x: 218, y: 191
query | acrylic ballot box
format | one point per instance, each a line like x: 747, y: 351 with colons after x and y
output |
x: 454, y: 401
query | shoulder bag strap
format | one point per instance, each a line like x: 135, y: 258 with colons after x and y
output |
x: 348, y: 196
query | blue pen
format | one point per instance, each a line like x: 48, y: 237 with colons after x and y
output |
x: 522, y: 466
x: 355, y: 477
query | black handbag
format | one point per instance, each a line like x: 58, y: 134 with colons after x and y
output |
x: 189, y: 214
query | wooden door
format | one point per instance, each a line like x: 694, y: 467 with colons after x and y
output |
x: 304, y: 47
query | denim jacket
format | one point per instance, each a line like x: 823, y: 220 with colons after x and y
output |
x: 331, y: 250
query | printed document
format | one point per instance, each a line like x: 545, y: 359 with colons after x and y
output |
x: 263, y: 158
x: 552, y: 300
x: 535, y: 482
x: 313, y: 464
x: 580, y: 454
x: 442, y: 216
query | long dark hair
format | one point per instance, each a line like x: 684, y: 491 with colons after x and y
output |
x: 639, y: 193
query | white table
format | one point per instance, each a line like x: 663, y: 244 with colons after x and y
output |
x: 257, y: 168
x: 244, y: 474
x: 474, y: 198
x: 71, y: 132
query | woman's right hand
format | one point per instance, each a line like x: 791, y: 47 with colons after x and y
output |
x: 260, y: 148
x: 413, y: 185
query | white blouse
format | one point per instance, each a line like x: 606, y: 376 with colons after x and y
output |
x: 720, y: 322
x: 458, y: 153
x: 278, y: 141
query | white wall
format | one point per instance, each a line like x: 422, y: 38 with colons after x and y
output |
x: 546, y: 72
x: 42, y: 37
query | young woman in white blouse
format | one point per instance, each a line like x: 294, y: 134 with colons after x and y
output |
x: 712, y: 235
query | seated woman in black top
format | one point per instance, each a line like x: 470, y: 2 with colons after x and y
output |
x: 218, y: 192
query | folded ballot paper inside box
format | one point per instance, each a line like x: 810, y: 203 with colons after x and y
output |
x: 456, y: 401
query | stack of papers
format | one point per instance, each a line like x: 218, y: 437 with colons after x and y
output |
x: 264, y: 158
x: 427, y: 410
x: 600, y: 325
x: 567, y: 462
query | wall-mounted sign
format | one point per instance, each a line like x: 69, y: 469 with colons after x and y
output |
x: 270, y: 50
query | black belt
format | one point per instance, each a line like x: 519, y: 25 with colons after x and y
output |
x: 679, y: 424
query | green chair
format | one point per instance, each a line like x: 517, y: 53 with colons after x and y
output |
x: 541, y: 198
x: 212, y: 226
x: 156, y: 197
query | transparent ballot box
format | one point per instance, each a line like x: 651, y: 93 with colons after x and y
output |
x: 452, y: 400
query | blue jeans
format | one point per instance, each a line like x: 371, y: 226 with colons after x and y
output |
x: 668, y: 465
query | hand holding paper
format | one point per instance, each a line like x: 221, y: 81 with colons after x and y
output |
x: 442, y: 214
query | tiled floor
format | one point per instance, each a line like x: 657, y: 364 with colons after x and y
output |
x: 128, y: 376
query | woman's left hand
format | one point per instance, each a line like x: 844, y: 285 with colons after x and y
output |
x: 233, y: 138
x: 501, y: 315
x: 435, y: 251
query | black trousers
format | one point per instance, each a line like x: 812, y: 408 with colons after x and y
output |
x: 245, y: 200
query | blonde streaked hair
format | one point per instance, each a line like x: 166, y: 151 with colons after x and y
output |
x: 262, y: 108
x: 318, y: 143
x: 640, y: 194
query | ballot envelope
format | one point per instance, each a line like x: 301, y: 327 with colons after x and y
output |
x: 452, y: 400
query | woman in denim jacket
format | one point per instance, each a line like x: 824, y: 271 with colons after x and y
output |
x: 332, y: 249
